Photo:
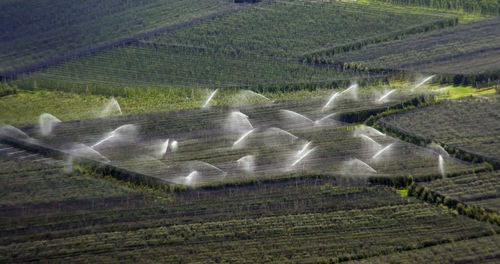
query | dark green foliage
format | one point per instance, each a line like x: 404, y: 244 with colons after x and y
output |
x: 466, y: 128
x: 489, y: 7
x: 7, y: 88
x: 467, y: 54
x: 37, y: 32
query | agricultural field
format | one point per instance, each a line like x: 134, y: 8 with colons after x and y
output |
x: 38, y: 32
x: 249, y: 131
x: 466, y: 49
x: 258, y: 46
x: 480, y: 189
x: 275, y: 139
x: 479, y: 250
x: 469, y: 125
x: 273, y: 219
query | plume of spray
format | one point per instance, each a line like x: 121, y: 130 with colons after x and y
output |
x: 84, y: 151
x: 246, y: 163
x: 122, y: 134
x: 351, y: 90
x: 302, y: 156
x: 369, y: 131
x: 258, y: 95
x: 425, y: 80
x: 296, y: 117
x: 330, y: 102
x: 237, y: 122
x: 192, y: 178
x: 174, y: 145
x: 385, y: 96
x: 324, y: 119
x: 47, y: 122
x: 10, y: 131
x: 111, y: 107
x: 356, y: 167
x: 438, y: 149
x: 441, y: 166
x: 239, y: 142
x: 160, y: 148
x: 380, y: 152
x: 207, y: 102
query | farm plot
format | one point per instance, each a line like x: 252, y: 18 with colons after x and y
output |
x: 471, y: 48
x: 265, y: 222
x: 479, y: 250
x: 258, y: 46
x: 469, y: 125
x: 481, y: 189
x: 208, y: 146
x: 34, y: 32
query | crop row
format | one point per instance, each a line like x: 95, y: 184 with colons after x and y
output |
x: 479, y: 250
x: 332, y: 236
x: 256, y: 47
x: 467, y: 126
x: 37, y: 31
x: 475, y: 189
x: 467, y: 53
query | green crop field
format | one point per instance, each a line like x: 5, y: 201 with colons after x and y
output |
x: 468, y: 124
x: 467, y: 49
x: 37, y: 32
x: 258, y: 46
x: 473, y: 189
x: 249, y: 131
x: 480, y: 250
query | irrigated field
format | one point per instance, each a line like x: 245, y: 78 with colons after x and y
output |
x: 469, y: 124
x: 472, y: 48
x: 35, y: 32
x: 258, y: 46
x: 272, y: 140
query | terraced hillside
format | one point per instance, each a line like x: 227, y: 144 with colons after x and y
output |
x: 36, y: 32
x: 469, y: 124
x: 258, y: 46
x: 466, y: 49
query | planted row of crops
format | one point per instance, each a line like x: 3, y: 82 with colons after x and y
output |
x: 466, y: 127
x: 473, y: 189
x: 272, y: 140
x: 34, y: 32
x: 490, y: 7
x: 255, y: 47
x: 479, y: 250
x: 271, y: 220
x: 470, y: 51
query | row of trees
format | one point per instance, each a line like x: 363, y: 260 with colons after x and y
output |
x: 490, y: 7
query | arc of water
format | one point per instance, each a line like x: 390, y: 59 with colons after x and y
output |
x: 259, y: 95
x: 191, y: 177
x: 243, y: 137
x: 103, y: 140
x: 382, y: 151
x: 303, y: 156
x: 441, y: 166
x: 304, y: 148
x: 332, y: 98
x: 324, y: 118
x: 209, y: 98
x: 351, y: 87
x: 371, y: 140
x: 174, y: 145
x: 164, y: 147
x: 423, y: 82
x: 386, y: 95
x: 292, y: 113
x: 46, y: 122
x: 279, y: 130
